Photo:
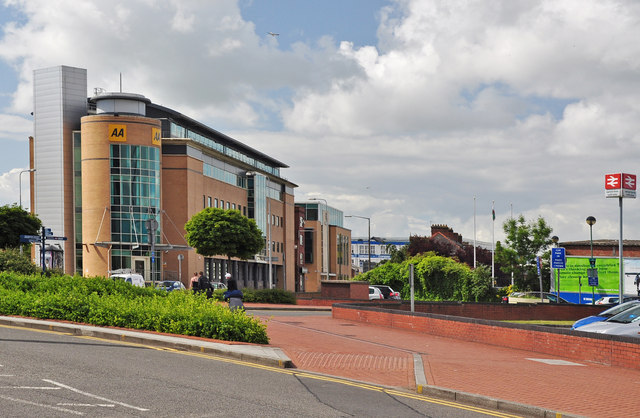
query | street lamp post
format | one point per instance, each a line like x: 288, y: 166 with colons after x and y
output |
x: 369, y: 236
x: 592, y: 261
x: 20, y: 181
x: 555, y: 240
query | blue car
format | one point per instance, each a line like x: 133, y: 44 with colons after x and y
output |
x: 608, y: 313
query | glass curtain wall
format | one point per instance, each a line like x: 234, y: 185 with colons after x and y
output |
x: 135, y: 199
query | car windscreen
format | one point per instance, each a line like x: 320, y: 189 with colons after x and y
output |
x: 627, y: 316
x: 614, y: 310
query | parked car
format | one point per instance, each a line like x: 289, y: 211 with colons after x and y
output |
x: 607, y: 313
x: 607, y: 300
x: 387, y: 291
x: 613, y: 300
x: 134, y: 279
x: 170, y: 285
x: 218, y: 285
x: 533, y: 297
x: 375, y: 293
x: 625, y: 323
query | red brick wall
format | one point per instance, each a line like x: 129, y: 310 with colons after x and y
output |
x: 602, y: 349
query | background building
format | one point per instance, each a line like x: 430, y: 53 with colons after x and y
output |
x: 119, y: 176
x: 325, y: 245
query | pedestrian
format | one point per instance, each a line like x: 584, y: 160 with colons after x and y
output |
x: 233, y: 294
x: 194, y: 281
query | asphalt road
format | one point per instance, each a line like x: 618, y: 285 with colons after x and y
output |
x: 50, y: 374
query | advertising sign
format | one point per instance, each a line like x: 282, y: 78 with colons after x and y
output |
x: 620, y: 185
x: 606, y: 277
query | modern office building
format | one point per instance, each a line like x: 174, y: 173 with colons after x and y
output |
x: 119, y: 176
x: 360, y: 254
x: 325, y: 243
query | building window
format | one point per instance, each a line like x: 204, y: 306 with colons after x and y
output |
x: 209, y: 202
x: 215, y: 202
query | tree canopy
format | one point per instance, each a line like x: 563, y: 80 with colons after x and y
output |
x: 15, y: 221
x: 524, y: 242
x: 215, y: 231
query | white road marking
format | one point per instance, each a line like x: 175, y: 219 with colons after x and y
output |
x: 42, y: 405
x: 554, y: 362
x: 102, y: 405
x: 30, y: 387
x: 94, y: 396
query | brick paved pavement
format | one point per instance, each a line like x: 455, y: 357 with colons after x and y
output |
x: 317, y: 342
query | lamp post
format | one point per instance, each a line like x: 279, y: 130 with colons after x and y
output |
x: 591, y: 221
x: 31, y: 170
x: 325, y: 236
x: 369, y: 236
x: 592, y: 261
x: 555, y: 240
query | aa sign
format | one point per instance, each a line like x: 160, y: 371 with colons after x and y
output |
x: 620, y: 185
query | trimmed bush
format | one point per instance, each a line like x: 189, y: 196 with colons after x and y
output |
x: 106, y: 302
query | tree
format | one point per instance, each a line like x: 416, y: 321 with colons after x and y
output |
x: 15, y: 221
x: 523, y: 243
x: 12, y: 260
x: 215, y: 231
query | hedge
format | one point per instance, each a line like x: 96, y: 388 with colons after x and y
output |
x: 106, y: 302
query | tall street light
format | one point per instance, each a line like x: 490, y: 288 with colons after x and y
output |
x: 591, y: 221
x: 369, y: 236
x: 325, y: 236
x: 592, y: 261
x: 31, y: 170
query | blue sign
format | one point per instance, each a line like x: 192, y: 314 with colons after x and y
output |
x: 29, y: 238
x: 592, y: 274
x: 558, y: 258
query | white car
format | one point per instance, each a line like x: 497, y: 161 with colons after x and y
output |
x: 625, y: 323
x: 607, y: 300
x: 375, y: 293
x: 131, y: 278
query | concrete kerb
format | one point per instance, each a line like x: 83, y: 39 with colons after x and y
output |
x: 259, y: 354
x: 490, y: 403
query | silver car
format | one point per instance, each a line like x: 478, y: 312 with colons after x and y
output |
x: 625, y: 323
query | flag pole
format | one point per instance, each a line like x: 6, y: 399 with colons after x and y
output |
x: 474, y: 232
x: 493, y: 242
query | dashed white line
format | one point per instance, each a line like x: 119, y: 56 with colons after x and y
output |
x: 101, y: 405
x: 93, y: 396
x: 42, y: 405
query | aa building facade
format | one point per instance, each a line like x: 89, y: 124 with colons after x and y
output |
x: 119, y: 176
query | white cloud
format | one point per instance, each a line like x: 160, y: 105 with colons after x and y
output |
x: 527, y: 104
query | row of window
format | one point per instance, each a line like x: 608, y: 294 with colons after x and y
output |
x: 177, y: 131
x: 209, y: 202
x: 364, y: 249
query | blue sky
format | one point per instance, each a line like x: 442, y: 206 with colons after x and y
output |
x: 404, y: 111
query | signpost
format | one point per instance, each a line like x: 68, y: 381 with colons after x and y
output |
x: 558, y: 261
x: 620, y: 185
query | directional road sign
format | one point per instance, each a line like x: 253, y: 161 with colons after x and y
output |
x: 29, y: 238
x: 58, y: 238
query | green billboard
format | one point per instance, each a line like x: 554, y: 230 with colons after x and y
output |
x: 576, y: 273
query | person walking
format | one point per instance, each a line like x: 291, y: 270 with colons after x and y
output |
x: 194, y: 281
x: 233, y: 295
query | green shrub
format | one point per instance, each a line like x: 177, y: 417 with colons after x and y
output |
x: 107, y: 302
x: 12, y: 260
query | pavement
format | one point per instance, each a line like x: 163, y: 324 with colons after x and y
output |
x: 520, y: 382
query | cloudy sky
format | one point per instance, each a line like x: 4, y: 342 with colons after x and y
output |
x: 410, y: 112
